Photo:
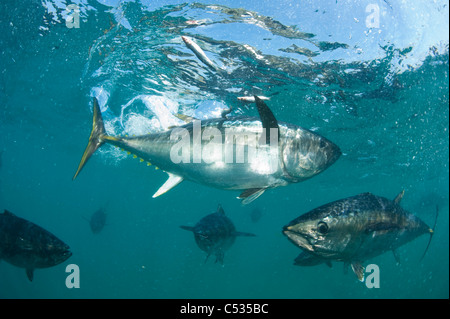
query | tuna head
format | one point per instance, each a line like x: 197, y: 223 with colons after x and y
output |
x: 306, y: 154
x: 355, y: 228
x: 319, y: 234
x: 55, y: 253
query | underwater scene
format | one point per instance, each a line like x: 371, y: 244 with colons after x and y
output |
x: 227, y: 149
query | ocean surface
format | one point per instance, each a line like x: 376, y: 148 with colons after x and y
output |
x: 372, y: 76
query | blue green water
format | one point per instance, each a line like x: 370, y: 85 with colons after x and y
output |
x: 379, y: 91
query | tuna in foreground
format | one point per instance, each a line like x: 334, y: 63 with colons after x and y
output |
x: 233, y: 153
x: 353, y: 230
x: 27, y: 245
x: 215, y: 233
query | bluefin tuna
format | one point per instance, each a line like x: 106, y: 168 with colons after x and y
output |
x: 298, y: 154
x: 215, y: 233
x: 97, y: 220
x: 27, y: 245
x: 353, y: 230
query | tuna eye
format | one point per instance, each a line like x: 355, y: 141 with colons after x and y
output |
x: 322, y: 227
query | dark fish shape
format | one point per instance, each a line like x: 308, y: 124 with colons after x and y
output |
x: 353, y: 230
x: 215, y: 233
x: 27, y: 245
x: 255, y: 215
x: 98, y: 220
x: 297, y: 155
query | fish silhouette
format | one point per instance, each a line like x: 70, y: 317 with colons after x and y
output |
x: 215, y: 233
x: 27, y: 245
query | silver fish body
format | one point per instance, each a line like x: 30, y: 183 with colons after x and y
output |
x: 200, y: 53
x: 216, y: 171
x: 217, y: 153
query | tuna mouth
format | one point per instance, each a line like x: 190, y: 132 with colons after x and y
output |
x: 66, y: 254
x: 297, y: 238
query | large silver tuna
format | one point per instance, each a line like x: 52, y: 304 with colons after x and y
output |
x: 353, y: 230
x: 282, y: 154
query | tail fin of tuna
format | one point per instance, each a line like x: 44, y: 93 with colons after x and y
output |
x: 96, y: 139
x: 431, y: 230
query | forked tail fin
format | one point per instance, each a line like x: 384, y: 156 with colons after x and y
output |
x: 96, y: 139
x: 431, y: 230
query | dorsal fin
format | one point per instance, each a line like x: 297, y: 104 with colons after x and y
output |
x: 399, y: 197
x: 7, y: 212
x: 220, y: 210
x: 268, y: 120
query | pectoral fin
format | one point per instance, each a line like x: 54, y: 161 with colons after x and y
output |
x: 249, y: 195
x: 30, y: 273
x: 396, y: 256
x: 307, y: 259
x: 189, y: 228
x: 173, y: 181
x: 381, y: 227
x: 185, y: 118
x: 358, y: 269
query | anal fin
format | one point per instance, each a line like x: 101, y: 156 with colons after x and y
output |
x: 30, y: 273
x: 358, y: 269
x: 173, y: 181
